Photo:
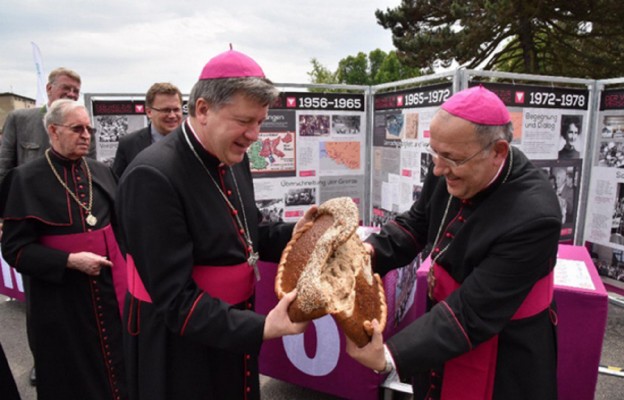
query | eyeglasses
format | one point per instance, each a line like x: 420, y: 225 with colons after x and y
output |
x: 79, y: 128
x: 68, y: 88
x: 168, y: 111
x: 452, y: 163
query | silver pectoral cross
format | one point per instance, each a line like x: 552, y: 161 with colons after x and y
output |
x: 252, y: 260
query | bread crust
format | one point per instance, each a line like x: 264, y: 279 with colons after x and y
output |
x: 328, y: 265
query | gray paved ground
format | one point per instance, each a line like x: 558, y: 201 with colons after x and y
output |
x: 13, y: 339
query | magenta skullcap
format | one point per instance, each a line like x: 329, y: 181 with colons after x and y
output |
x: 478, y: 105
x: 231, y: 64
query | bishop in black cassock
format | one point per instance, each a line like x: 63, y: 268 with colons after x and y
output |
x: 57, y: 215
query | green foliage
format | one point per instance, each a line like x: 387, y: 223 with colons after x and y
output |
x: 320, y: 74
x: 378, y: 67
x: 354, y: 70
x: 580, y: 38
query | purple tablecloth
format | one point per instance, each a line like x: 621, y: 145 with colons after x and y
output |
x: 326, y: 367
x: 582, y: 322
x: 10, y: 281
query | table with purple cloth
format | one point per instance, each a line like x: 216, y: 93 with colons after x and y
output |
x: 324, y: 366
x: 11, y: 284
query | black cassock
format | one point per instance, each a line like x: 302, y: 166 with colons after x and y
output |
x: 497, y: 246
x: 186, y: 344
x: 75, y: 317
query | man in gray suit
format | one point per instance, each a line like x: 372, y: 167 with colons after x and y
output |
x: 25, y: 138
x: 163, y: 106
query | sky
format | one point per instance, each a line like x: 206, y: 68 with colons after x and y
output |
x: 124, y: 46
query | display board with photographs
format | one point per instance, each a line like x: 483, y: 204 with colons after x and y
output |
x: 551, y: 126
x: 400, y: 160
x: 311, y: 149
x: 604, y: 222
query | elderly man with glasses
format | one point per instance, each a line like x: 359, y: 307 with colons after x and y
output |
x: 57, y: 231
x: 163, y: 106
x: 490, y: 221
x: 24, y: 138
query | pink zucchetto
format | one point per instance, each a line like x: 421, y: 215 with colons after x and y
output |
x: 478, y: 105
x: 231, y: 64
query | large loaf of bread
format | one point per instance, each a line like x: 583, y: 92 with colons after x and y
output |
x: 328, y: 265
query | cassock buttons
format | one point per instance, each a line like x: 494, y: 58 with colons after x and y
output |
x: 448, y: 235
x: 229, y: 192
x: 234, y: 212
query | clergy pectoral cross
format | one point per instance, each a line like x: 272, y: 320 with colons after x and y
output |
x: 253, y: 262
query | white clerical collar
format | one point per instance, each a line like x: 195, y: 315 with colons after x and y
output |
x: 500, y: 169
x: 193, y: 130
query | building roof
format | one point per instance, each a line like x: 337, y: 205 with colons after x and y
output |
x: 17, y: 95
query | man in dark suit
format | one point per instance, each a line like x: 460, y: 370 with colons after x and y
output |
x: 163, y: 106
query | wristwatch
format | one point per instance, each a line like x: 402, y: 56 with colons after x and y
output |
x: 389, y: 363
